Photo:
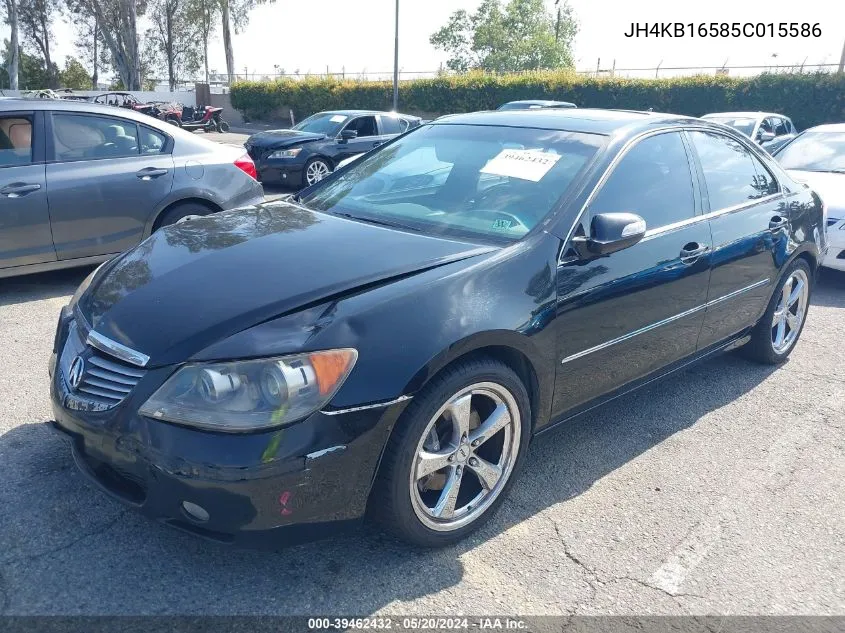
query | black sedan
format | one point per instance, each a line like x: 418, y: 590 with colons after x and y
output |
x: 310, y: 150
x: 385, y: 344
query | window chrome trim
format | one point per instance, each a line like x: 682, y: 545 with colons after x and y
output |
x: 657, y: 324
x: 126, y: 354
x: 367, y: 406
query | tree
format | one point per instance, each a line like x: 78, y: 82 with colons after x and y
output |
x: 10, y: 10
x: 175, y: 35
x: 74, y: 75
x: 205, y: 14
x: 32, y: 74
x: 235, y: 13
x: 35, y: 18
x: 89, y: 44
x: 117, y: 20
x: 521, y: 36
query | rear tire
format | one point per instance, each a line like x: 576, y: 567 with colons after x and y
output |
x: 178, y: 212
x: 222, y: 126
x: 775, y: 335
x: 173, y: 121
x: 410, y: 498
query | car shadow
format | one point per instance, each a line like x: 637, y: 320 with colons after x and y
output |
x: 69, y: 549
x: 57, y: 283
x: 830, y: 289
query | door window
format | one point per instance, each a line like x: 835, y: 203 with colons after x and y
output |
x: 15, y: 140
x: 732, y: 174
x: 781, y: 127
x: 86, y: 137
x: 152, y: 141
x: 652, y: 180
x: 364, y: 125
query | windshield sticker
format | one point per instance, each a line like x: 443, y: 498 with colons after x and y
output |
x: 525, y: 164
x: 502, y: 225
x: 338, y: 118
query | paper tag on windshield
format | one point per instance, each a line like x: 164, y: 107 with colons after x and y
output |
x: 525, y: 164
x: 338, y: 118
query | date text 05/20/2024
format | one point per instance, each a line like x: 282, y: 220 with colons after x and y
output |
x: 723, y: 29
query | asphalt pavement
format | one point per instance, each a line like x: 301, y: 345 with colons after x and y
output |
x: 717, y: 491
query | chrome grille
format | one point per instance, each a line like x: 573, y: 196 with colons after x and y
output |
x: 105, y: 380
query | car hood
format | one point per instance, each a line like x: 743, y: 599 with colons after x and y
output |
x: 282, y: 138
x: 829, y: 186
x: 196, y: 282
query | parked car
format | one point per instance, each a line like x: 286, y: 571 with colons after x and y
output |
x: 535, y: 104
x: 817, y: 157
x: 80, y: 182
x: 378, y: 346
x: 769, y: 130
x: 310, y: 150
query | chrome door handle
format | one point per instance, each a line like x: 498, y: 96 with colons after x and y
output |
x: 18, y: 189
x: 778, y: 222
x: 692, y: 251
x: 150, y: 172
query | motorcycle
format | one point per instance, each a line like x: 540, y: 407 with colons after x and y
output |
x: 206, y: 118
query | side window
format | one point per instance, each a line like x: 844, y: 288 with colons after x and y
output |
x: 364, y: 125
x: 152, y: 141
x: 652, y: 180
x: 732, y: 174
x: 781, y: 127
x: 82, y: 137
x: 15, y: 140
x: 391, y: 125
x: 767, y: 126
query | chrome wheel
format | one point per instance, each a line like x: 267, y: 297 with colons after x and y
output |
x: 465, y: 456
x: 790, y: 312
x: 316, y: 171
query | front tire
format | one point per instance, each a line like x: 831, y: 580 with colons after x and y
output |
x: 315, y: 170
x: 451, y: 460
x: 775, y: 335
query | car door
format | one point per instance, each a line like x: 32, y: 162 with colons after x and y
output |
x: 25, y: 236
x: 630, y: 314
x: 750, y: 226
x: 368, y: 136
x: 103, y: 184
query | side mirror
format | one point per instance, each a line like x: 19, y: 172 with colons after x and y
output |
x: 610, y: 232
x: 348, y: 135
x: 765, y: 137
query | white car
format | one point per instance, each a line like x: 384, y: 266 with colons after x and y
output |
x: 816, y: 157
x: 770, y: 130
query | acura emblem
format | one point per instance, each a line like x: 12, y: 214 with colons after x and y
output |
x: 77, y: 367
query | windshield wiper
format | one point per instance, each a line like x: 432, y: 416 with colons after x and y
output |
x: 392, y: 225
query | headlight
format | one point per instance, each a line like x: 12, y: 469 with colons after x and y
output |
x: 286, y: 153
x: 251, y: 394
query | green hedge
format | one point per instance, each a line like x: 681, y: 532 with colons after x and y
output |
x: 809, y: 98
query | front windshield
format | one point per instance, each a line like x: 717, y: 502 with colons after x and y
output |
x: 464, y: 180
x: 815, y: 151
x: 327, y: 123
x: 744, y: 125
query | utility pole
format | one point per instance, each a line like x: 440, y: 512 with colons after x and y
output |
x: 396, y: 62
x: 557, y: 23
x: 842, y: 60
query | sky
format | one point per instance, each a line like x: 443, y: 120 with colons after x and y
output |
x: 358, y: 35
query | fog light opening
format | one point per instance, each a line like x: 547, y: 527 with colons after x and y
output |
x: 195, y: 512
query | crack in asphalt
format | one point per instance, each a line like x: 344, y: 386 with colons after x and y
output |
x: 54, y: 550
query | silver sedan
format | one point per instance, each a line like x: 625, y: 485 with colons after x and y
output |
x: 81, y: 182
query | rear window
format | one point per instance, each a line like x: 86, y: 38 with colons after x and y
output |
x: 463, y: 180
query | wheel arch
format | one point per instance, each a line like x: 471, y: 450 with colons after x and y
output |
x: 208, y: 204
x: 513, y: 350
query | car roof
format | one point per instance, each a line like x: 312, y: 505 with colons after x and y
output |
x: 748, y: 115
x: 71, y: 105
x: 360, y: 112
x: 591, y: 120
x: 827, y: 127
x: 537, y: 102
